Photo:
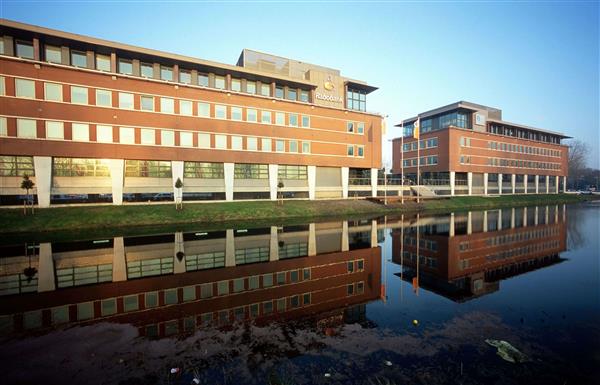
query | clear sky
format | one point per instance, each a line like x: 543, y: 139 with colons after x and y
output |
x: 536, y: 61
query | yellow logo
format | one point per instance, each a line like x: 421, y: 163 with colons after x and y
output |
x: 329, y: 86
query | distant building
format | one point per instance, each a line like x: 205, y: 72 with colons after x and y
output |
x: 467, y: 148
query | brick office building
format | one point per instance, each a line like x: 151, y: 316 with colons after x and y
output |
x: 94, y: 120
x: 467, y: 148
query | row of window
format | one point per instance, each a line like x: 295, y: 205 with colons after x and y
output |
x: 523, y: 236
x: 126, y: 66
x: 522, y: 149
x: 423, y: 144
x: 525, y: 250
x: 455, y: 119
x: 517, y: 163
x: 516, y: 132
x: 425, y: 161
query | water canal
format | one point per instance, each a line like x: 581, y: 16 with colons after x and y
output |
x: 373, y: 301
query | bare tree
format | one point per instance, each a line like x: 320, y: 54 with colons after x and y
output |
x: 578, y: 153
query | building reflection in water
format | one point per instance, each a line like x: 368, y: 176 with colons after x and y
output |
x: 172, y: 284
x: 465, y: 255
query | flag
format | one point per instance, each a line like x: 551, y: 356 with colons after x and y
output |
x: 416, y: 129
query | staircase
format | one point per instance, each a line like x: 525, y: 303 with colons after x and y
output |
x: 423, y: 191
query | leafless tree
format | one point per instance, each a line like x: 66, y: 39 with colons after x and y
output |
x: 578, y: 153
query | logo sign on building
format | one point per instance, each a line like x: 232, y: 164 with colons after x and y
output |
x: 480, y: 119
x: 328, y: 85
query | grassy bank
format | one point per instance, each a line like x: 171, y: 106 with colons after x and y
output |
x: 220, y: 215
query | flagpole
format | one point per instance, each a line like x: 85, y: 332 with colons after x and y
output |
x: 418, y: 128
x: 402, y: 166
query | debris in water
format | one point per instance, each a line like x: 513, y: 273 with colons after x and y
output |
x: 415, y: 322
x: 387, y: 363
x: 507, y: 351
x: 327, y: 375
x: 174, y: 370
x: 196, y: 381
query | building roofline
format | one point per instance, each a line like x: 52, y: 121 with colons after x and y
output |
x: 529, y: 128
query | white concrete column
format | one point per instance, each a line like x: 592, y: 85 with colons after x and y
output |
x: 116, y: 167
x: 499, y: 184
x: 176, y: 172
x: 312, y: 240
x: 537, y: 184
x: 452, y: 179
x: 228, y: 174
x: 374, y: 233
x: 485, y: 221
x: 345, y: 174
x: 374, y: 181
x: 556, y: 214
x: 499, y: 224
x: 547, y: 184
x: 557, y: 185
x: 525, y: 183
x: 512, y: 218
x: 564, y: 213
x: 345, y: 241
x: 274, y: 245
x: 273, y: 180
x: 470, y: 182
x: 535, y: 219
x: 469, y: 223
x: 229, y: 248
x: 546, y: 215
x: 513, y: 183
x: 451, y: 227
x: 119, y: 263
x: 485, y: 183
x: 312, y: 181
x: 525, y: 216
x: 46, y: 278
x: 564, y: 184
x: 43, y: 179
x: 178, y: 266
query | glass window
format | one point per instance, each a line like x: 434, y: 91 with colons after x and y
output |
x: 185, y: 107
x: 251, y: 115
x: 60, y: 314
x: 16, y: 165
x: 126, y: 135
x: 305, y: 121
x: 306, y: 273
x: 251, y: 171
x: 251, y: 87
x: 292, y: 94
x: 236, y: 113
x: 204, y: 140
x: 220, y: 82
x: 204, y: 110
x: 125, y: 67
x: 85, y: 310
x: 265, y: 144
x: 205, y: 171
x: 80, y: 132
x: 25, y: 88
x: 281, y: 305
x: 265, y: 117
x: 125, y: 100
x: 293, y: 120
x: 236, y: 142
x: 104, y: 98
x: 147, y: 70
x: 78, y: 59
x: 3, y: 128
x: 238, y: 285
x: 265, y: 89
x: 279, y: 146
x: 220, y: 111
x: 203, y: 80
x: 152, y: 169
x: 79, y: 95
x: 306, y: 298
x: 221, y: 142
x: 189, y: 293
x: 267, y: 280
x: 185, y: 77
x: 55, y: 130
x: 279, y: 92
x: 350, y: 127
x: 108, y: 306
x: 104, y: 134
x: 236, y: 85
x: 251, y: 144
x: 293, y: 146
x: 280, y: 118
x: 2, y: 85
x: 167, y: 137
x: 304, y: 96
x: 24, y: 49
x: 147, y: 136
x: 171, y: 297
x: 206, y: 290
x: 295, y: 301
x: 281, y: 277
x: 361, y: 151
x: 53, y: 54
x: 186, y: 139
x: 360, y: 128
x: 350, y: 151
x: 356, y: 100
x: 306, y: 147
x: 103, y: 63
x: 222, y: 287
x: 53, y: 92
x: 292, y: 172
x: 167, y: 105
x: 147, y: 103
x: 166, y: 73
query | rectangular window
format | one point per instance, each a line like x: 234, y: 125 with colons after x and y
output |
x: 25, y: 88
x: 292, y: 94
x: 147, y: 70
x: 350, y: 151
x: 204, y: 110
x: 251, y: 171
x: 293, y: 146
x: 305, y: 121
x: 304, y: 96
x: 356, y: 100
x: 186, y: 139
x: 2, y: 85
x: 79, y: 95
x: 104, y: 134
x: 360, y: 128
x: 279, y: 92
x: 148, y: 136
x: 16, y: 165
x: 236, y: 113
x: 204, y: 140
x: 350, y: 127
x: 360, y: 151
x: 220, y: 82
x: 104, y: 98
x: 265, y: 144
x: 294, y: 301
x: 279, y: 146
x: 265, y: 117
x: 267, y: 280
x: 251, y: 115
x: 53, y: 92
x: 80, y: 132
x: 185, y: 77
x: 147, y: 103
x: 236, y: 85
x: 239, y: 285
x: 167, y: 138
x: 280, y: 118
x: 293, y: 120
x: 281, y: 277
x: 3, y: 128
x: 251, y: 87
x: 203, y: 171
x: 189, y: 293
x: 185, y: 107
x: 203, y: 80
x: 78, y: 59
x: 306, y: 147
x: 265, y: 89
x: 236, y: 143
x: 24, y: 49
x: 292, y: 172
x: 126, y: 135
x: 167, y: 105
x: 220, y: 111
x: 251, y: 144
x: 281, y: 305
x: 166, y: 73
x: 55, y: 130
x: 125, y: 101
x: 222, y: 287
x: 125, y: 67
x: 221, y: 142
x: 53, y: 54
x: 148, y: 168
x: 103, y: 63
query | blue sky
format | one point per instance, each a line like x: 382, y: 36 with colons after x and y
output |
x: 538, y: 62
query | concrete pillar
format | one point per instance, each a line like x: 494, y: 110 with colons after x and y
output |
x: 374, y: 233
x: 485, y: 183
x: 525, y: 183
x: 229, y: 248
x: 547, y: 184
x: 546, y: 214
x: 312, y: 240
x: 537, y: 184
x: 119, y: 263
x: 43, y: 179
x: 564, y: 184
x: 512, y: 218
x: 177, y: 172
x: 116, y: 175
x: 564, y: 213
x: 273, y: 180
x: 374, y: 181
x: 556, y: 214
x: 535, y: 219
x: 345, y: 242
x: 345, y: 174
x: 228, y: 173
x: 46, y: 278
x: 557, y: 185
x: 274, y: 245
x: 499, y: 184
x: 513, y: 183
x: 178, y: 266
x: 485, y: 221
x: 312, y: 181
x: 452, y: 178
x: 499, y: 224
x: 470, y: 182
x: 451, y: 227
x: 524, y: 216
x: 469, y: 223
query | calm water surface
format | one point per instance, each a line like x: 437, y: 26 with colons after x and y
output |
x: 373, y: 301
